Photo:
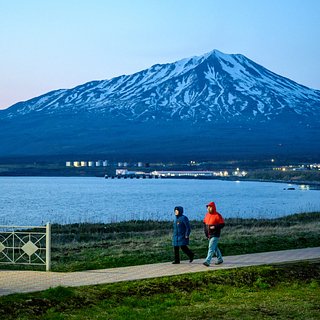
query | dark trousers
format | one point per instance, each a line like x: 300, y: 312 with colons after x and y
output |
x: 185, y: 249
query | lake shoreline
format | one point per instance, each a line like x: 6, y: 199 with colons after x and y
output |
x: 295, y: 182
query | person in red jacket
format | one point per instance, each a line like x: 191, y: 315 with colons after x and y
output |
x: 213, y: 223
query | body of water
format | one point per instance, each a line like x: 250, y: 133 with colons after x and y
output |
x: 37, y: 200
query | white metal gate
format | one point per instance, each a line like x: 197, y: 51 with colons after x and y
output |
x: 26, y: 245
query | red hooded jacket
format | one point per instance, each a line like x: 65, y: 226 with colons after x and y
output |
x: 213, y: 222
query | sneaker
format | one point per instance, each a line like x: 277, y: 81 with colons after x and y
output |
x: 206, y: 264
x: 176, y: 262
x: 219, y: 262
x: 191, y: 257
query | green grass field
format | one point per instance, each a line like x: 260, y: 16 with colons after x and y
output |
x: 89, y: 246
x: 290, y: 291
x: 84, y: 246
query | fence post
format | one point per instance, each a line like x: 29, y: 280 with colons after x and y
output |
x: 48, y: 246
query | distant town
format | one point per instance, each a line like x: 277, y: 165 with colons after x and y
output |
x: 258, y: 170
x: 122, y: 171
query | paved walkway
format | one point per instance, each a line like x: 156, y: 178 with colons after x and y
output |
x: 30, y: 281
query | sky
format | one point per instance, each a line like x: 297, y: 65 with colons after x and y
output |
x: 59, y: 44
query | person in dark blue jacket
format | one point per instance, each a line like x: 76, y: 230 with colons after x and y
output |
x: 181, y: 233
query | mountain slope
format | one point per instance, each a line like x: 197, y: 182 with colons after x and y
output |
x: 214, y: 104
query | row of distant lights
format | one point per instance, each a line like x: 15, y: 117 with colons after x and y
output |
x: 239, y: 173
x: 311, y: 166
x: 295, y: 168
x: 191, y: 174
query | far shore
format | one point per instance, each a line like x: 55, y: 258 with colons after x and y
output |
x: 231, y: 178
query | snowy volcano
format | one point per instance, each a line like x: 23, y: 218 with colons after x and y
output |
x: 214, y: 105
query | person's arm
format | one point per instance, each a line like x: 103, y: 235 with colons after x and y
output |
x: 205, y: 229
x: 218, y: 226
x: 188, y: 228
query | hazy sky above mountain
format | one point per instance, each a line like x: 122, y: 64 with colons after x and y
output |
x: 55, y: 44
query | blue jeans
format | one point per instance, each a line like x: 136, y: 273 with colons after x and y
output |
x: 213, y: 249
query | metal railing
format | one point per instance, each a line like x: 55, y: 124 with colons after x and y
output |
x: 26, y: 245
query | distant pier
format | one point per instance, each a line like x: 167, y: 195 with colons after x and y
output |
x: 174, y: 174
x: 133, y: 176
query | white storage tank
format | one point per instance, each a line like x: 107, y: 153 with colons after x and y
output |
x: 105, y: 163
x: 99, y: 163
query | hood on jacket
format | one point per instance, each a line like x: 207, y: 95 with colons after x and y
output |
x: 180, y: 209
x: 213, y: 206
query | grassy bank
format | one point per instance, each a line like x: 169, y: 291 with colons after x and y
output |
x: 94, y: 246
x: 289, y: 291
x: 85, y: 246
